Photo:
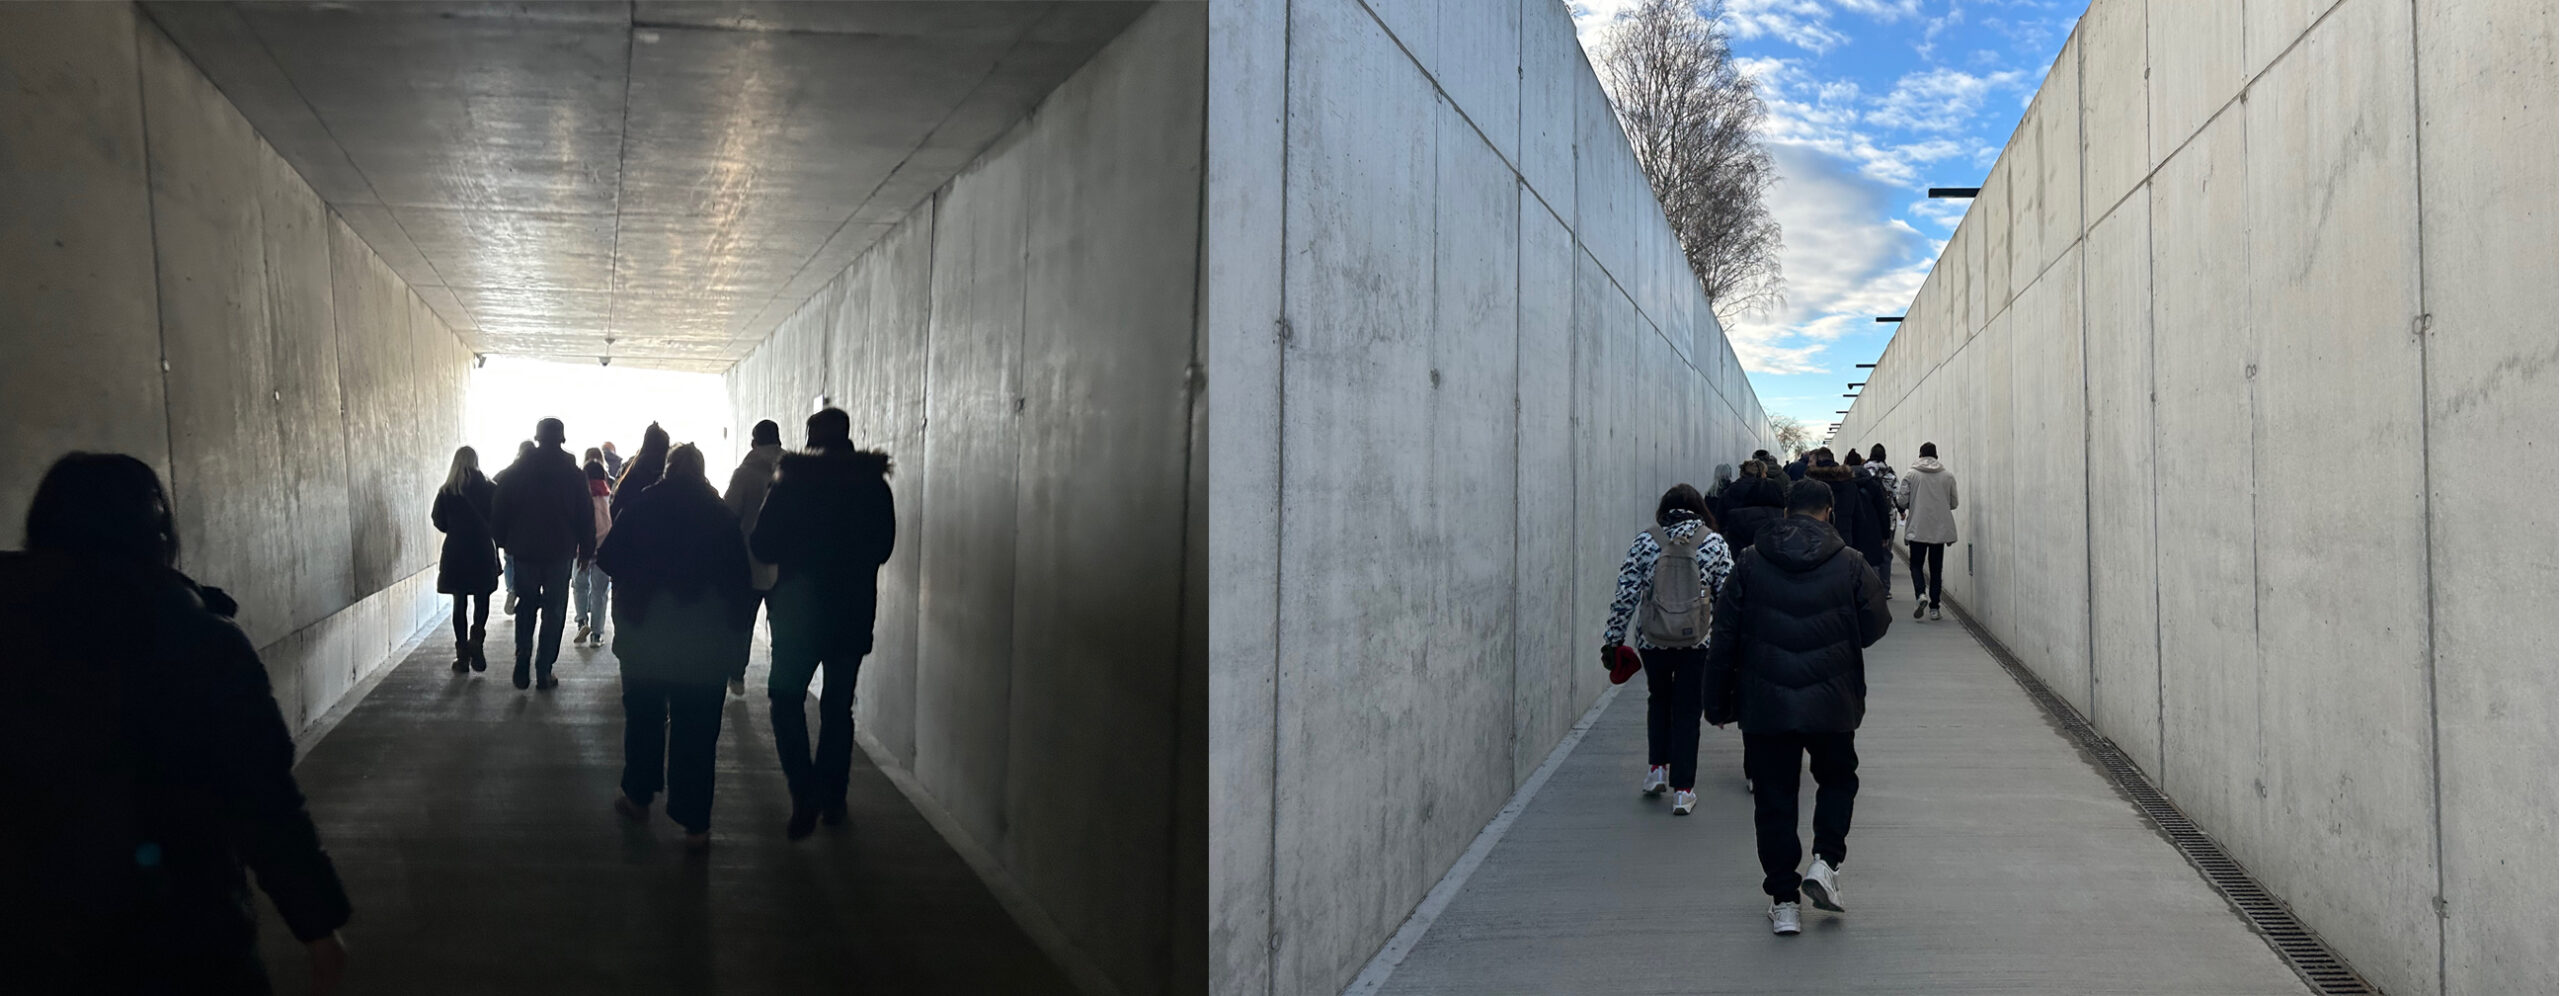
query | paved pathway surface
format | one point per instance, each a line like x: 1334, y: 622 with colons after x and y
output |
x: 473, y: 825
x: 1987, y: 856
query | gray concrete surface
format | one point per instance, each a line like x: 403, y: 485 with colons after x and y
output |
x: 1457, y: 358
x: 2331, y: 248
x: 678, y: 176
x: 179, y: 293
x: 1024, y: 345
x: 1986, y: 856
x: 473, y: 826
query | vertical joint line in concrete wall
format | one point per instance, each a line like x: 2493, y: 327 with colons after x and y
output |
x: 1279, y: 517
x: 1194, y: 387
x: 2426, y: 495
x: 2088, y: 412
x: 151, y: 215
x: 2151, y: 410
x: 621, y: 168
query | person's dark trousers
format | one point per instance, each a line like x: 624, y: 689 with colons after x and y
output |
x: 674, y: 727
x: 1775, y: 762
x: 1675, y: 685
x: 1932, y: 557
x: 542, y: 592
x: 820, y: 782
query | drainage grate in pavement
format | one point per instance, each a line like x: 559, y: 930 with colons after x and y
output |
x: 2309, y: 956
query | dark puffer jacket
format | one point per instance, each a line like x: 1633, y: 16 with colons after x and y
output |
x: 1787, y: 653
x: 683, y: 610
x: 1849, y: 512
x: 1875, y: 517
x: 541, y: 512
x: 827, y: 526
x: 1750, y: 504
x: 148, y: 770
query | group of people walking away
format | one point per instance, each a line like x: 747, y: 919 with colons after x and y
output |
x: 152, y: 770
x: 799, y: 535
x: 1754, y: 604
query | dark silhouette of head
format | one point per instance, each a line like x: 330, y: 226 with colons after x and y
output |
x: 1681, y: 502
x: 765, y: 434
x: 103, y: 506
x: 595, y: 470
x: 1875, y: 454
x: 466, y: 465
x: 549, y: 432
x: 1810, y: 498
x: 1762, y: 456
x: 593, y: 455
x: 525, y: 449
x: 830, y: 429
x: 1754, y: 468
x: 1929, y: 450
x: 684, y: 465
x: 1822, y: 456
x: 1854, y: 460
x: 608, y: 447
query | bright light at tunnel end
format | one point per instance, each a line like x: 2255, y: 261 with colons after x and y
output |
x: 597, y: 403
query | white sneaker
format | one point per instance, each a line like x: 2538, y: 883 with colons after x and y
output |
x: 1783, y: 920
x: 1822, y: 885
x: 1683, y: 801
x: 1656, y: 779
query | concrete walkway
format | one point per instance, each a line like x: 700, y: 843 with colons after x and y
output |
x: 473, y: 825
x: 1986, y: 857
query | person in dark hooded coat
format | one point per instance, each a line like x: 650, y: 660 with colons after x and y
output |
x: 1786, y: 658
x: 468, y: 569
x: 1848, y: 505
x: 1750, y: 502
x: 1875, y: 518
x: 827, y: 525
x: 147, y: 767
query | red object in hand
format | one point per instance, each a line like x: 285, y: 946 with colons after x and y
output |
x: 1624, y: 662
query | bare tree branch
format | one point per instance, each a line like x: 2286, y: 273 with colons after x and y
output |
x: 1694, y: 119
x: 1792, y: 435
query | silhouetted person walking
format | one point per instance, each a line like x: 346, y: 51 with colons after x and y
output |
x: 468, y: 569
x: 1787, y: 659
x: 591, y: 587
x: 612, y: 462
x: 1929, y: 491
x: 827, y: 526
x: 1666, y: 586
x: 680, y: 631
x: 1752, y: 501
x: 508, y: 560
x: 643, y: 469
x: 146, y: 766
x: 1875, y: 520
x: 543, y: 520
x: 745, y: 498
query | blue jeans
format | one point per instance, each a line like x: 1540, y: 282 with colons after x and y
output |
x: 592, y: 591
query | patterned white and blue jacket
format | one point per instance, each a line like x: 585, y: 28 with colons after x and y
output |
x: 1635, y: 577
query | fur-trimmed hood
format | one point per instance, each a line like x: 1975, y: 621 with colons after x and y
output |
x: 832, y: 465
x: 1827, y: 473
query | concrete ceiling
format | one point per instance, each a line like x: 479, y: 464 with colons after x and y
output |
x: 678, y: 176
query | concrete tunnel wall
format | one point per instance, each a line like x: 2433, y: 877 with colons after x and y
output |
x: 1025, y: 346
x: 1459, y: 356
x: 176, y: 292
x: 2244, y: 361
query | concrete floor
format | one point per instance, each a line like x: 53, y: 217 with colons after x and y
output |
x: 1986, y: 857
x: 474, y: 829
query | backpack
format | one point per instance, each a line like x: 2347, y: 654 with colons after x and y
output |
x: 1673, y: 614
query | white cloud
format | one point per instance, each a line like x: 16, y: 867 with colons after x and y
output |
x: 1939, y: 99
x: 1847, y: 260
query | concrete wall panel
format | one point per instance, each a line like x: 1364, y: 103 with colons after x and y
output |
x: 1550, y: 59
x: 373, y: 364
x: 2195, y: 64
x: 2485, y: 132
x: 881, y: 364
x: 78, y: 241
x: 2124, y: 586
x: 1543, y: 634
x: 1477, y: 60
x: 2115, y: 105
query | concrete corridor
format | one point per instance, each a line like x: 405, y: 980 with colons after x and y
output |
x: 1987, y: 856
x: 473, y: 825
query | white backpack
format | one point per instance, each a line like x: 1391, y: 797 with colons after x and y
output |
x: 1674, y: 612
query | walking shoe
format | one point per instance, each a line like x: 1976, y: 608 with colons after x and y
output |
x: 833, y: 815
x: 737, y: 688
x: 697, y: 843
x: 479, y: 655
x: 1933, y: 614
x: 524, y: 674
x: 1917, y: 609
x: 1657, y: 778
x: 804, y: 822
x: 546, y: 683
x: 1783, y: 920
x: 461, y: 658
x: 582, y: 634
x: 1683, y: 801
x: 1822, y: 885
x: 636, y: 812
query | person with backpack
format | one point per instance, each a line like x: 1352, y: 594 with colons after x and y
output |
x: 468, y: 569
x: 681, y: 632
x: 149, y: 771
x: 828, y: 524
x: 1666, y: 587
x: 1875, y: 518
x: 1786, y: 658
x: 592, y: 588
x: 1892, y: 481
x: 1930, y: 493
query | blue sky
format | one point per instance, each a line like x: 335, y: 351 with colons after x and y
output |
x: 1871, y: 102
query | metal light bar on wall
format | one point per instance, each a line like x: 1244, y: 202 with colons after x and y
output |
x: 1888, y: 319
x: 1954, y: 191
x: 1859, y: 384
x: 1866, y: 366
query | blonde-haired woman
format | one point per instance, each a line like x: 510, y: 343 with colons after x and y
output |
x: 469, y: 571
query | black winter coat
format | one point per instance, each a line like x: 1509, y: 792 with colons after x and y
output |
x: 146, y: 770
x: 470, y: 562
x: 1849, y: 513
x: 828, y: 524
x: 1787, y: 650
x: 1750, y: 504
x: 1875, y: 517
x: 542, y: 512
